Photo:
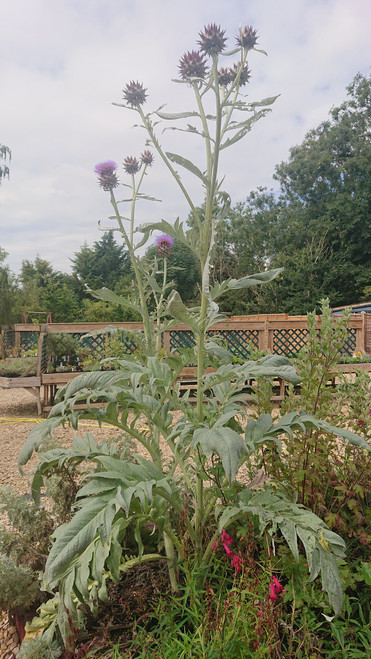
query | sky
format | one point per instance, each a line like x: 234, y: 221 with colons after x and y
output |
x: 65, y: 62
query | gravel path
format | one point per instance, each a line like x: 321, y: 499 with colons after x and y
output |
x: 18, y: 415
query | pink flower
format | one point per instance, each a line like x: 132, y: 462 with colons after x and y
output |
x: 164, y: 245
x: 237, y: 563
x: 214, y: 545
x: 275, y: 589
x: 272, y: 592
x: 260, y: 613
x: 226, y: 539
x: 228, y: 551
x: 277, y: 584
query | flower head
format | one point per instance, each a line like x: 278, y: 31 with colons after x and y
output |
x: 275, y: 589
x: 225, y: 76
x: 131, y: 165
x: 244, y: 72
x: 106, y: 174
x: 212, y: 40
x: 237, y: 563
x: 135, y: 94
x: 192, y: 65
x: 247, y: 38
x: 164, y: 245
x: 226, y: 539
x: 147, y: 158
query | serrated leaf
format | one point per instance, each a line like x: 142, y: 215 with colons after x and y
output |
x: 246, y: 127
x: 266, y: 101
x: 225, y: 442
x: 187, y: 164
x: 254, y: 280
x: 178, y: 310
x: 109, y: 296
x: 72, y: 539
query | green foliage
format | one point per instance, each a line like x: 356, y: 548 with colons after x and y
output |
x: 8, y: 291
x: 40, y: 648
x: 105, y: 264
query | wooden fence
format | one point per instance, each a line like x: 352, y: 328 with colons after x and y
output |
x: 278, y: 333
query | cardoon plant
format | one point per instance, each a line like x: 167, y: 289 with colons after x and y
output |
x: 190, y: 498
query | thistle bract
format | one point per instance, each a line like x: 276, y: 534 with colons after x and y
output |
x: 212, y: 40
x: 135, y: 94
x: 247, y: 38
x: 192, y: 65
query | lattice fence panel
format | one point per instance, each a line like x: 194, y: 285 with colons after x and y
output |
x: 349, y: 346
x: 289, y: 341
x: 97, y: 344
x: 238, y: 342
x: 181, y: 339
x: 29, y: 340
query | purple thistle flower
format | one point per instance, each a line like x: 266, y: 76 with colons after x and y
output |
x: 106, y: 174
x: 164, y: 245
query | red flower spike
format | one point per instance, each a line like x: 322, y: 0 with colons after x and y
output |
x: 226, y: 539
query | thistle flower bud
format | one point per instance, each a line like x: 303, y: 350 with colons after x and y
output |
x: 147, y: 158
x: 247, y: 38
x: 106, y: 174
x: 212, y: 40
x: 192, y: 65
x: 135, y: 94
x: 164, y: 245
x: 245, y: 74
x: 131, y: 165
x: 225, y: 76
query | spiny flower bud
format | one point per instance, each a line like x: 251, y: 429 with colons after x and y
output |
x: 212, y: 40
x: 225, y: 76
x: 131, y: 165
x: 245, y: 74
x: 106, y: 174
x: 247, y: 38
x: 192, y: 65
x: 135, y: 94
x: 147, y: 158
x: 164, y: 245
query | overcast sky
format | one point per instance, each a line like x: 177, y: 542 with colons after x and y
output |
x: 64, y: 62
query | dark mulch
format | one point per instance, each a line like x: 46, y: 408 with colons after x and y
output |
x: 130, y: 603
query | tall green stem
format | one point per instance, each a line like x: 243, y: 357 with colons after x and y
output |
x: 147, y: 325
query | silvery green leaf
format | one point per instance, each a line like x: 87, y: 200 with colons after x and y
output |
x: 260, y: 50
x: 266, y: 101
x: 40, y: 432
x: 331, y: 581
x: 187, y: 164
x: 246, y: 127
x: 109, y: 296
x: 223, y: 441
x: 176, y: 115
x: 178, y: 310
x: 253, y: 280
